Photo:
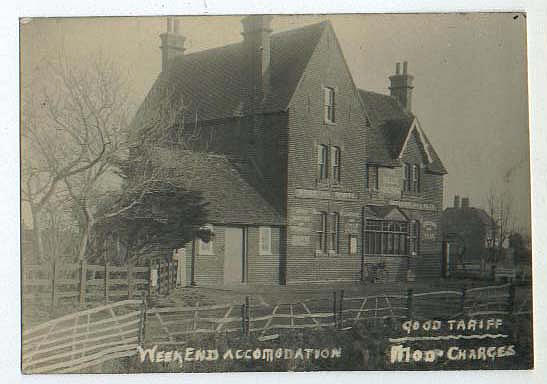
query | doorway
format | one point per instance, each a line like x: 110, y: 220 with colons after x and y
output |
x: 234, y: 255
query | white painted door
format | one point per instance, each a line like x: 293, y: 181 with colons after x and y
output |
x: 234, y: 255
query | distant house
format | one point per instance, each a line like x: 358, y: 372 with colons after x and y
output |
x: 470, y: 230
x: 308, y: 178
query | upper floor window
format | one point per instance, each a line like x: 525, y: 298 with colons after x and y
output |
x: 322, y: 162
x: 265, y: 240
x: 371, y: 177
x: 336, y: 159
x: 330, y: 105
x: 322, y: 233
x: 334, y: 232
x: 406, y: 177
x: 416, y: 178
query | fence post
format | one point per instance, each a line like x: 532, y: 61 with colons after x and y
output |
x: 462, y: 300
x: 129, y: 280
x: 511, y: 299
x: 247, y: 316
x: 410, y: 303
x: 243, y: 319
x: 53, y: 293
x: 334, y: 309
x: 142, y: 323
x: 149, y: 278
x: 341, y: 316
x: 159, y: 278
x: 83, y: 281
x: 106, y: 282
x: 168, y: 277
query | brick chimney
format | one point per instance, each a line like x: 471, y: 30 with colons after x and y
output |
x: 257, y: 39
x: 172, y: 43
x: 457, y: 201
x: 401, y: 86
x: 465, y: 202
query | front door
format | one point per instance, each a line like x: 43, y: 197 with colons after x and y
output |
x: 234, y: 256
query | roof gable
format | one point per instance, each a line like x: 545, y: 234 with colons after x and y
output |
x: 391, y: 130
x: 385, y: 212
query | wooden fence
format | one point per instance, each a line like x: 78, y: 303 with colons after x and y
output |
x: 90, y: 337
x: 75, y: 342
x: 91, y: 283
x: 171, y: 325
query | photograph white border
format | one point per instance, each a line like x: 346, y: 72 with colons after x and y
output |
x: 9, y: 167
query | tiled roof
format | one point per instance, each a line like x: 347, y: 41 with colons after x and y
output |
x: 390, y: 126
x: 451, y: 214
x: 213, y: 85
x: 231, y: 189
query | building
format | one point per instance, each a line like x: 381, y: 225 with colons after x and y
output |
x: 471, y: 233
x: 309, y: 178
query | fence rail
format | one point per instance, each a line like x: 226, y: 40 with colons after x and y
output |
x: 84, y: 282
x: 84, y: 339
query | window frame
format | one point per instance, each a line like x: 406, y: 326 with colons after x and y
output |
x: 329, y: 105
x: 386, y: 237
x: 322, y: 233
x: 414, y: 238
x: 209, y: 247
x: 353, y: 249
x: 336, y: 159
x: 407, y: 174
x: 323, y: 162
x: 334, y: 233
x: 262, y: 230
x: 376, y: 185
x: 416, y: 170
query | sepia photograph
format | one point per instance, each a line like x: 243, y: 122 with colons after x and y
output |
x: 268, y: 192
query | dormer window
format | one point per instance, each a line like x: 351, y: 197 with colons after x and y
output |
x: 330, y: 105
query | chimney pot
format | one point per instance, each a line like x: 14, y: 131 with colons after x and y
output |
x: 465, y: 202
x: 401, y: 86
x: 457, y: 201
x: 172, y: 43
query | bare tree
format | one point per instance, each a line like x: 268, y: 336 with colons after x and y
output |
x: 71, y: 134
x: 501, y: 212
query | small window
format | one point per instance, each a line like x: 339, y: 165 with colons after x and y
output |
x: 322, y: 233
x: 372, y: 177
x: 330, y: 105
x: 416, y: 178
x: 206, y: 248
x: 334, y: 232
x: 336, y: 158
x: 352, y: 245
x: 265, y: 240
x: 322, y: 162
x: 406, y: 178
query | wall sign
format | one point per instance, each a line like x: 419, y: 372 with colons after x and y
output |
x: 429, y: 230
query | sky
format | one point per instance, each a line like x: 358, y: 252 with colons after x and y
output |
x: 469, y: 70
